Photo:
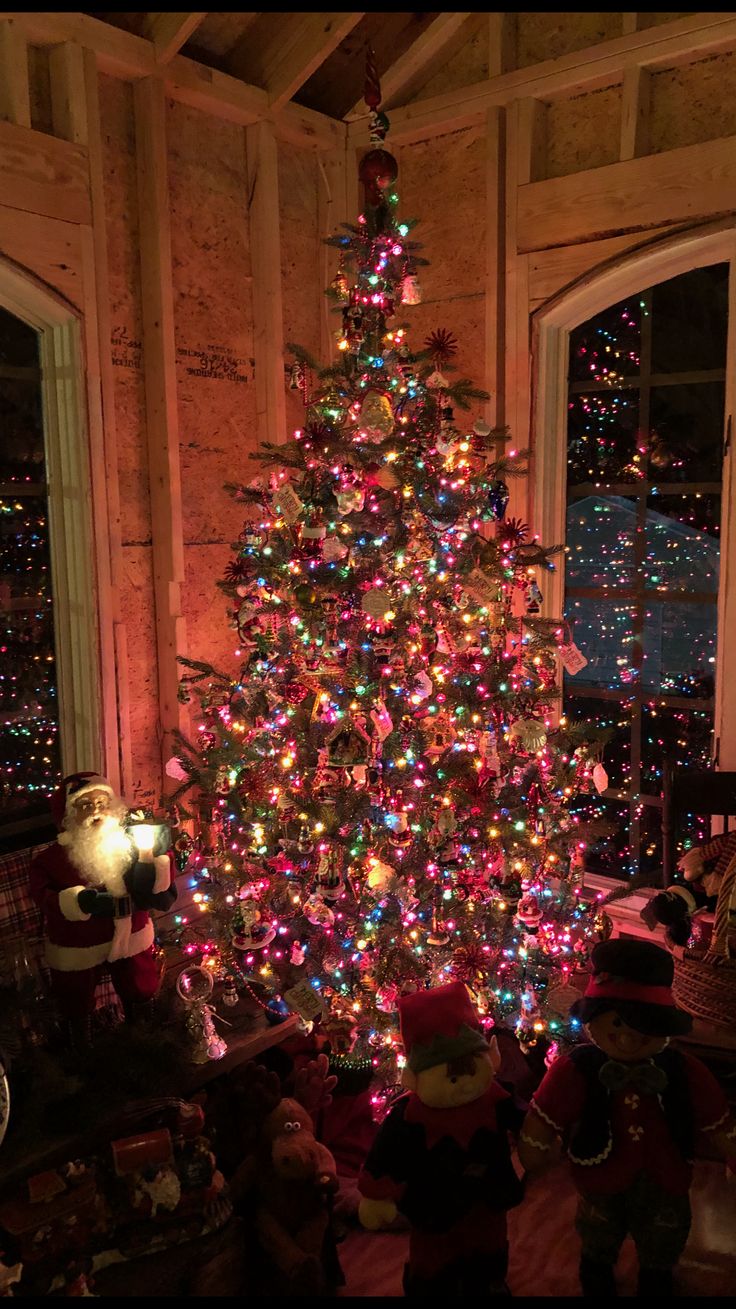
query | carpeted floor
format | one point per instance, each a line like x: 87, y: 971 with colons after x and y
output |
x: 544, y: 1244
x: 544, y: 1252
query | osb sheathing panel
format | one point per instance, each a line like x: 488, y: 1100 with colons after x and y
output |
x: 694, y: 103
x: 300, y: 180
x: 548, y: 36
x: 209, y: 634
x: 442, y: 183
x: 583, y: 132
x: 213, y: 320
x: 462, y: 62
x: 136, y: 592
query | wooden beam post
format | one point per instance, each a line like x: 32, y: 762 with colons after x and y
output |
x: 333, y: 210
x: 634, y: 113
x: 159, y: 358
x: 303, y: 44
x: 501, y: 44
x: 495, y: 270
x: 68, y: 92
x: 517, y: 369
x: 169, y: 32
x: 101, y: 401
x: 265, y: 244
x: 15, y: 98
x: 416, y: 65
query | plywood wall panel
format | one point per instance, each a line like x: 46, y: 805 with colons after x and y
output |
x: 208, y: 631
x: 213, y: 321
x: 693, y: 103
x: 583, y: 132
x: 548, y: 36
x: 442, y: 183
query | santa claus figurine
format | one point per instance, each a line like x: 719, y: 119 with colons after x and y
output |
x: 442, y: 1156
x: 95, y: 888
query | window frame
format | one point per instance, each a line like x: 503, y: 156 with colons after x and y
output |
x: 74, y: 573
x: 552, y: 324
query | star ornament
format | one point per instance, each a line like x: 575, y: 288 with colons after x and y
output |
x: 442, y: 345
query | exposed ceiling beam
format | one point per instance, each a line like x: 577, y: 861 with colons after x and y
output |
x: 121, y: 54
x: 169, y: 32
x: 292, y: 52
x: 418, y: 59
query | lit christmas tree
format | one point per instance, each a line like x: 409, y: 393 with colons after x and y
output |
x: 383, y: 786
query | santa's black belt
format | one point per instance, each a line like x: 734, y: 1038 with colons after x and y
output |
x: 123, y: 906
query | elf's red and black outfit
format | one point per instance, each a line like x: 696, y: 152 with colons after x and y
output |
x: 85, y: 936
x: 630, y: 1128
x: 448, y: 1171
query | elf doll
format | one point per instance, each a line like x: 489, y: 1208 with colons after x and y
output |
x: 629, y: 1110
x: 442, y: 1156
x: 95, y: 888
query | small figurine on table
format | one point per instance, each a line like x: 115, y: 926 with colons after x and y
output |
x: 95, y: 886
x: 442, y: 1156
x: 629, y: 1110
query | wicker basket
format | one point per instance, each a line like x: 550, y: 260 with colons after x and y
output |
x: 704, y: 984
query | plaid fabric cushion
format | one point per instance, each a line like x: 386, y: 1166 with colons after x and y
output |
x: 20, y: 917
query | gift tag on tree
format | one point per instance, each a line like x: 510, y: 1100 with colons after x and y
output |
x: 573, y: 660
x: 287, y: 503
x: 600, y: 778
x: 305, y: 1001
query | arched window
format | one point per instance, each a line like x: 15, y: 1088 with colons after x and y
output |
x: 636, y: 362
x: 49, y: 651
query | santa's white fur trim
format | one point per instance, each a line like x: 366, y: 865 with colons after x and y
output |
x: 92, y: 784
x: 120, y: 948
x: 69, y: 904
x: 75, y: 958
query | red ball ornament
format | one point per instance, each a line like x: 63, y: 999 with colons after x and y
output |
x: 294, y: 693
x: 378, y: 170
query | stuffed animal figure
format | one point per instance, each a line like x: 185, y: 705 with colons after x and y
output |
x: 442, y: 1155
x: 293, y: 1177
x: 702, y: 868
x: 629, y: 1110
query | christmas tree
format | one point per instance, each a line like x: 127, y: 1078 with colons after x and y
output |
x: 383, y: 785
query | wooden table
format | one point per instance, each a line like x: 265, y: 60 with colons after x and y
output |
x: 249, y: 1035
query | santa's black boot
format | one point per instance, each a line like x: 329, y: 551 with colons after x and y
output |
x: 658, y: 1282
x: 597, y: 1279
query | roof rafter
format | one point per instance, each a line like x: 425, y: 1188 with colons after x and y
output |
x: 292, y: 53
x: 417, y: 60
x: 169, y: 32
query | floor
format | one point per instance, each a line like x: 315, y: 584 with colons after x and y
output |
x: 544, y: 1252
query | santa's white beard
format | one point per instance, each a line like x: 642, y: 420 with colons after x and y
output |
x: 100, y: 851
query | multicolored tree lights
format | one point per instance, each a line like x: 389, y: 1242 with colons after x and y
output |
x: 384, y: 785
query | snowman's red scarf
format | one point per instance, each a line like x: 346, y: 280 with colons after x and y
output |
x: 460, y: 1123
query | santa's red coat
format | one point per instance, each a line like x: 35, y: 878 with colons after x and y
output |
x: 77, y: 941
